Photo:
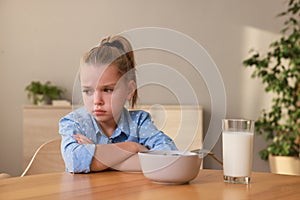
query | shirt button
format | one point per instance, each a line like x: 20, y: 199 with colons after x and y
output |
x: 109, y: 141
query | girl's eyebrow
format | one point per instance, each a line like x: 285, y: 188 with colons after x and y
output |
x: 84, y: 86
x: 107, y: 85
x: 112, y: 84
x: 99, y: 86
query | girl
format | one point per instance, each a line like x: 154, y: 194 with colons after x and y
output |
x: 104, y: 134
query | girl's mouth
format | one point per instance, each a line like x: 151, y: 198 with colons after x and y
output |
x: 99, y: 111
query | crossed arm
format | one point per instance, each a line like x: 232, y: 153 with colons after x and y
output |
x: 120, y: 156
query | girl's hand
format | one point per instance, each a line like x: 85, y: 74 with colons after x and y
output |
x: 141, y: 147
x: 132, y: 147
x: 81, y: 139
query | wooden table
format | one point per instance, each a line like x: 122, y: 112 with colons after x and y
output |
x: 121, y: 185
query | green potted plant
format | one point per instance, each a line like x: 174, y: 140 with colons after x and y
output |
x: 279, y: 69
x: 43, y: 93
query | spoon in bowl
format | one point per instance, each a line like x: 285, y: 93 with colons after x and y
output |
x: 205, y: 152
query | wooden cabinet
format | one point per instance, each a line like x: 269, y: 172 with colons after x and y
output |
x: 40, y: 124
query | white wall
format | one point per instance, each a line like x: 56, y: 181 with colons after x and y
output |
x: 44, y: 39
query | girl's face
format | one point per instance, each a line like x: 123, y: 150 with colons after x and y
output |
x: 105, y: 92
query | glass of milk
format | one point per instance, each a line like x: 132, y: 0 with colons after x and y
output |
x: 237, y: 135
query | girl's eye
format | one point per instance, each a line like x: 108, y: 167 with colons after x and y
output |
x: 109, y: 90
x: 88, y: 92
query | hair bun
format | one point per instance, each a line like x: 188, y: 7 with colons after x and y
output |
x: 115, y: 43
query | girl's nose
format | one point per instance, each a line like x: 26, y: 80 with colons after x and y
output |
x: 98, y: 100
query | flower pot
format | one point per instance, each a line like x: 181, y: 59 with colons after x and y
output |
x: 284, y: 165
x: 39, y: 100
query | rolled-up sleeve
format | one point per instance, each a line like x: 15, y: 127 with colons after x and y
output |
x: 77, y: 157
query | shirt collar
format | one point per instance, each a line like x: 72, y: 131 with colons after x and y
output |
x: 123, y: 124
x: 96, y: 125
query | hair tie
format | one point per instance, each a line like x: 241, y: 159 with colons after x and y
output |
x: 116, y: 44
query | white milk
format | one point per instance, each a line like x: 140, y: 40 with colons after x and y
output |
x: 237, y: 153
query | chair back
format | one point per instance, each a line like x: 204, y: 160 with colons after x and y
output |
x: 47, y: 159
x: 182, y: 123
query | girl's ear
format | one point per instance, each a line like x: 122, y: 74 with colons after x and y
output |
x: 131, y: 89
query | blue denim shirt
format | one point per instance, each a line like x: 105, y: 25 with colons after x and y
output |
x: 133, y: 126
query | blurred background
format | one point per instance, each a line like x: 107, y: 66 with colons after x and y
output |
x: 44, y: 40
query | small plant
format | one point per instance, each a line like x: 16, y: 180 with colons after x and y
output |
x: 279, y: 70
x: 39, y: 92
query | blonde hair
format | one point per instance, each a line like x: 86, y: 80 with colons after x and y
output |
x: 114, y: 50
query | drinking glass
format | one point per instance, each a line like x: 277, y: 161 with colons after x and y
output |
x: 237, y: 135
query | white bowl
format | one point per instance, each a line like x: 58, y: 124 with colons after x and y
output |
x: 171, y: 167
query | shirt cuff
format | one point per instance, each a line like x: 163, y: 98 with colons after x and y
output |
x: 82, y: 159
